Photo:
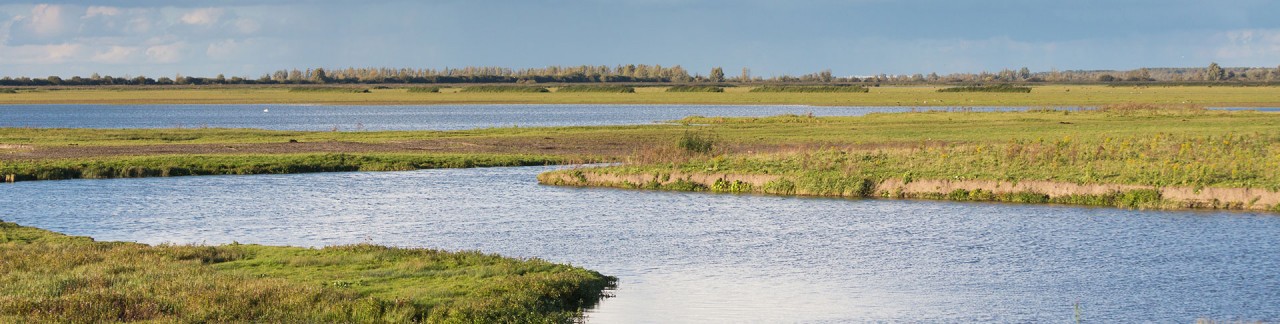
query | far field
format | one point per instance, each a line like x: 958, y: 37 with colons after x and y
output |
x: 1049, y: 95
x: 1107, y: 153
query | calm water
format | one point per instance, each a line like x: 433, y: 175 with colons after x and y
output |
x: 725, y: 258
x: 435, y: 117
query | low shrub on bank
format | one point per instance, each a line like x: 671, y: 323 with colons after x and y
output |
x: 991, y: 88
x: 689, y: 88
x: 811, y: 89
x: 329, y: 90
x: 423, y: 90
x: 504, y: 89
x: 597, y: 89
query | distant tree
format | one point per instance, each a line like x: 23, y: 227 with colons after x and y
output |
x: 717, y: 75
x: 825, y: 76
x: 1214, y: 72
x: 1024, y: 73
x: 746, y: 75
x: 220, y: 79
x: 319, y: 76
x: 54, y: 80
x: 1106, y: 78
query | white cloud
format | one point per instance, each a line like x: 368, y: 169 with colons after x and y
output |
x: 95, y: 11
x: 115, y: 55
x: 46, y: 20
x: 1248, y: 46
x: 169, y: 53
x: 223, y: 49
x: 40, y: 54
x: 247, y: 26
x: 203, y: 16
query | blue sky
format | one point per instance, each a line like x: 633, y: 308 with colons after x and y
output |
x: 851, y: 37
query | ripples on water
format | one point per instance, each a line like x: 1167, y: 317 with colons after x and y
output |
x: 688, y: 257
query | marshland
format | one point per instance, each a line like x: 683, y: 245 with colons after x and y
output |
x: 364, y: 182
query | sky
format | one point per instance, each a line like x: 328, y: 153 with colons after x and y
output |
x: 250, y: 38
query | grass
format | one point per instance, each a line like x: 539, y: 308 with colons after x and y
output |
x: 423, y: 90
x: 50, y: 277
x: 1005, y: 88
x: 1138, y: 145
x: 7, y: 90
x: 504, y: 89
x: 596, y: 89
x: 328, y: 90
x: 184, y: 165
x: 812, y: 89
x: 1048, y: 95
x: 686, y: 88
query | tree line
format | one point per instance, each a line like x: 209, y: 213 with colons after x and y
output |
x: 642, y: 73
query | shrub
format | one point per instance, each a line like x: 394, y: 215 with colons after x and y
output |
x: 686, y: 88
x: 424, y: 90
x: 990, y: 88
x: 502, y: 89
x: 597, y: 89
x: 811, y: 89
x: 696, y: 142
x: 326, y: 89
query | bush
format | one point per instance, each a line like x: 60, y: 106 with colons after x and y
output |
x: 811, y: 89
x: 597, y: 88
x: 502, y: 89
x: 685, y: 88
x: 424, y: 90
x: 696, y: 142
x: 336, y: 90
x: 990, y: 88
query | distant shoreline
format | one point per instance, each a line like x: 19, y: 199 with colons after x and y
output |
x: 925, y: 96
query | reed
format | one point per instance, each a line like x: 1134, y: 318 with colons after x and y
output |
x: 596, y: 89
x: 999, y: 88
x: 689, y: 88
x: 504, y: 89
x: 811, y: 89
x: 328, y: 90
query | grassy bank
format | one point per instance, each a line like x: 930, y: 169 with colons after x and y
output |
x: 1153, y: 157
x: 1050, y: 95
x: 50, y: 277
x: 185, y: 165
x: 991, y: 88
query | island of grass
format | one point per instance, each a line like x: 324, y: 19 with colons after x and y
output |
x: 999, y: 88
x: 50, y: 277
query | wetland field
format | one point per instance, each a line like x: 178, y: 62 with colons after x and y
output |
x: 1070, y: 166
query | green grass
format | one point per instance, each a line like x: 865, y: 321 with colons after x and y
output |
x: 811, y: 89
x: 1005, y: 88
x: 328, y: 90
x: 6, y: 90
x: 50, y: 277
x: 687, y: 88
x: 596, y: 89
x: 504, y: 89
x: 423, y: 90
x: 184, y: 165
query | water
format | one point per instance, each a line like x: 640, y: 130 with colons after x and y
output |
x: 434, y: 117
x: 686, y: 257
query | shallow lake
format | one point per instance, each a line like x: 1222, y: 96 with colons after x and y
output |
x: 430, y: 117
x: 689, y: 257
